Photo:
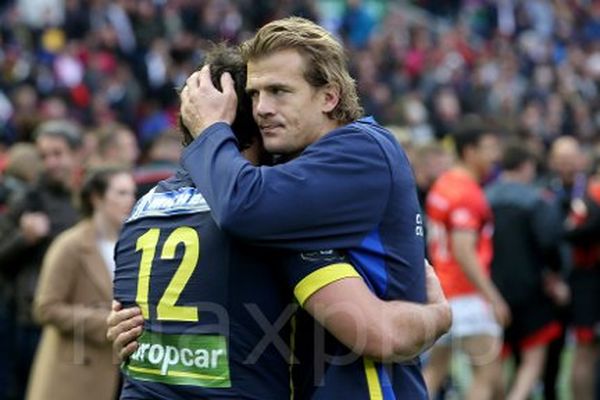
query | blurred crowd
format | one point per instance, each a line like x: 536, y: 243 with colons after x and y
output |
x: 533, y: 65
x: 88, y: 83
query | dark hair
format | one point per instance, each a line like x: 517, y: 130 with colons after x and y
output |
x: 223, y: 58
x: 61, y: 128
x: 96, y: 182
x: 469, y: 134
x: 515, y: 155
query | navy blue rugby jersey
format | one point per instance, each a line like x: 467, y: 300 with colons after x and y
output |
x: 352, y: 189
x: 325, y: 368
x: 208, y: 302
x: 217, y: 310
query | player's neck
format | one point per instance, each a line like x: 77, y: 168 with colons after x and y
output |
x: 327, y: 125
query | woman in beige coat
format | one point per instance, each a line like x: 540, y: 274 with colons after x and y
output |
x: 74, y: 360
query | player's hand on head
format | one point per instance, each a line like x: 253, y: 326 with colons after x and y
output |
x: 202, y: 104
x: 124, y: 327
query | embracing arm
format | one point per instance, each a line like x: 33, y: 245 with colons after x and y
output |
x: 383, y: 330
x: 336, y: 190
x: 390, y: 331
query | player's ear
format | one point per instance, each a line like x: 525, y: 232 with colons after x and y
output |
x: 330, y: 97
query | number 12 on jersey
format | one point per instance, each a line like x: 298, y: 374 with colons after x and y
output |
x: 147, y: 243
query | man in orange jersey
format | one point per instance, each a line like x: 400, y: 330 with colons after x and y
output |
x: 460, y: 245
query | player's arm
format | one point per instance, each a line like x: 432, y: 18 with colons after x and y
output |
x: 324, y: 195
x: 464, y: 244
x: 341, y: 301
x: 390, y: 331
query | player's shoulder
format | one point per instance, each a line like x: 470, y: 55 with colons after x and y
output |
x: 358, y: 134
x: 174, y: 196
x: 451, y: 183
x: 455, y: 189
x: 363, y: 140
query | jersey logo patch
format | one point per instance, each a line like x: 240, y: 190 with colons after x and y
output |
x: 322, y: 255
x: 185, y: 200
x: 195, y: 360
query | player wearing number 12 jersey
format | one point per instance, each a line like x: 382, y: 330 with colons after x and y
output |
x: 187, y: 278
x: 208, y: 300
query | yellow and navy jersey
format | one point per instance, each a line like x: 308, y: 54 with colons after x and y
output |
x: 324, y: 368
x: 211, y: 304
x: 352, y: 189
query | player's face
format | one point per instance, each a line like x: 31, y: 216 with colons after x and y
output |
x: 290, y: 113
x: 59, y: 159
x: 118, y: 199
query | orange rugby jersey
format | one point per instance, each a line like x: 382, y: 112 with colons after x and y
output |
x: 456, y: 201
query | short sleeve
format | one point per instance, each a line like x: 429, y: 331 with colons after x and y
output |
x: 463, y: 217
x: 308, y: 272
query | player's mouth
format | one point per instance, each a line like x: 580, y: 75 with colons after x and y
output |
x: 269, y: 129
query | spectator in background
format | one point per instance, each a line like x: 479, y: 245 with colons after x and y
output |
x: 429, y: 162
x: 74, y: 360
x: 460, y: 246
x: 29, y: 226
x: 357, y: 24
x: 25, y: 115
x: 526, y: 231
x: 159, y: 161
x: 109, y: 60
x: 117, y: 145
x: 565, y: 184
x: 583, y: 224
x: 415, y: 118
x: 22, y: 171
x: 446, y: 112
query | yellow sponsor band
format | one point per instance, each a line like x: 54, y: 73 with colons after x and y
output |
x: 179, y: 374
x: 321, y: 278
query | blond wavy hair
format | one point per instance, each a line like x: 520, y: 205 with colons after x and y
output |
x: 324, y: 59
